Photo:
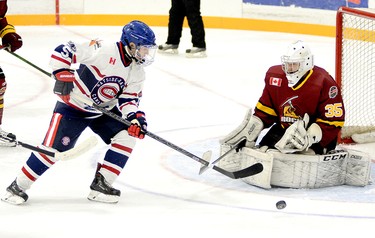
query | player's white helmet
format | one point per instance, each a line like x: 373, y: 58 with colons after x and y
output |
x: 297, y: 61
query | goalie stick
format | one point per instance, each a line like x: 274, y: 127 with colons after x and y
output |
x: 249, y: 171
x: 246, y: 172
x: 78, y: 150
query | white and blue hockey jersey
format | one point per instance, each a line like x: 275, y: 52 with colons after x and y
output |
x: 106, y: 74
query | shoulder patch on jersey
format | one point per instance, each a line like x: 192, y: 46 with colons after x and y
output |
x: 96, y: 43
x: 333, y: 91
x: 275, y: 81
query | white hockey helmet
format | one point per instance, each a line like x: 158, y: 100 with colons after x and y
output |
x: 297, y: 61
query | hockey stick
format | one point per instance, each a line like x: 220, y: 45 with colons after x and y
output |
x: 246, y: 172
x: 66, y: 155
x: 241, y: 143
x: 249, y: 171
x: 25, y: 60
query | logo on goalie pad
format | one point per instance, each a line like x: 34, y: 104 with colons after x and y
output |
x: 356, y: 157
x: 337, y: 156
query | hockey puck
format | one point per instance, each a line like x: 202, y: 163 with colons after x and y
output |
x: 281, y: 204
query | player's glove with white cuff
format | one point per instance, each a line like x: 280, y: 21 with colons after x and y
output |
x: 64, y: 83
x: 297, y: 138
x: 138, y: 125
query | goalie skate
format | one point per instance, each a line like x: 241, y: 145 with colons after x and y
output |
x: 15, y: 195
x: 102, y: 191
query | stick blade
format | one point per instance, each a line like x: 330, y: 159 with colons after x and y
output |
x: 249, y: 171
x: 78, y: 150
x: 206, y: 157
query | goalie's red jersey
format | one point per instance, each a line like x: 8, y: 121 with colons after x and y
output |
x: 317, y: 94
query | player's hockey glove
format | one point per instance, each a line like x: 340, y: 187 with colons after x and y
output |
x: 138, y: 125
x: 297, y: 138
x: 64, y: 83
x: 9, y: 36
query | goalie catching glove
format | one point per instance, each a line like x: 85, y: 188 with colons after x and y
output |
x: 296, y: 138
x: 138, y: 125
x: 64, y: 83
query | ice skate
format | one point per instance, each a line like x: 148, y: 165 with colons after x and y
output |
x: 7, y: 139
x: 15, y: 195
x: 168, y: 49
x: 196, y: 52
x: 102, y: 191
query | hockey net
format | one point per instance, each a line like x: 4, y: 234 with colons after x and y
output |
x: 355, y: 69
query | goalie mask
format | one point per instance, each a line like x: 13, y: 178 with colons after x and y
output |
x: 143, y: 38
x: 297, y: 61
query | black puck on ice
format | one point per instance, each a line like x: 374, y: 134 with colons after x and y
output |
x: 281, y: 204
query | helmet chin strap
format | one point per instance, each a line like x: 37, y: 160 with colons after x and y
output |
x: 299, y: 80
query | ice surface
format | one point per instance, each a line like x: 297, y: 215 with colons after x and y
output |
x: 192, y: 103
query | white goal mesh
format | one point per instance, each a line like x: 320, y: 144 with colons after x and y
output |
x: 355, y: 68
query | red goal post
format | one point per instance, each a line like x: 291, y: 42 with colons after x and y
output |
x: 355, y: 69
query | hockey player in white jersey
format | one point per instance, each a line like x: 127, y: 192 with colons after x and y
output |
x: 112, y: 76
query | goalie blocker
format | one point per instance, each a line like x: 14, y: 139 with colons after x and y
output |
x: 341, y: 167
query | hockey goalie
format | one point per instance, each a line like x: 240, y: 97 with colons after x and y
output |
x: 294, y: 128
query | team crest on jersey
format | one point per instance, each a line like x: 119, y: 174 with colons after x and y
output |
x: 107, y: 89
x: 289, y: 111
x: 333, y: 91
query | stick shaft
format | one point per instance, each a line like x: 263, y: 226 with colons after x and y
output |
x: 152, y: 135
x: 36, y: 149
x: 29, y: 63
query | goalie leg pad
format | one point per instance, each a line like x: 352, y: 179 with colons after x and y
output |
x: 318, y: 171
x: 358, y: 168
x: 231, y: 162
x: 308, y: 171
x: 366, y: 137
x: 251, y: 156
x: 245, y: 158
